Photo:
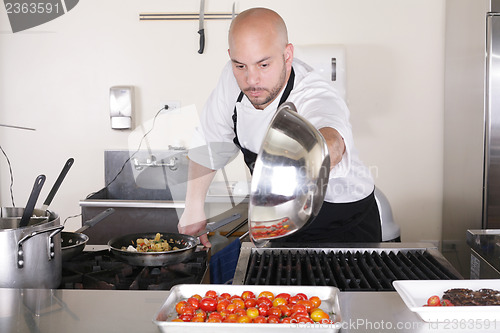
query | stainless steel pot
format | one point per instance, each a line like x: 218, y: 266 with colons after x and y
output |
x: 31, y: 255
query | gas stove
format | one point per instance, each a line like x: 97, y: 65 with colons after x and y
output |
x: 349, y: 267
x: 101, y: 270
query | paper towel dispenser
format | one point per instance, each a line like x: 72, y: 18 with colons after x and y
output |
x: 329, y: 60
x: 121, y: 101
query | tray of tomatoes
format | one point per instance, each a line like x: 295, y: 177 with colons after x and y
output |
x: 213, y: 307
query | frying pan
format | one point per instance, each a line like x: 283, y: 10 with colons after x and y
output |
x: 187, y: 245
x: 72, y: 243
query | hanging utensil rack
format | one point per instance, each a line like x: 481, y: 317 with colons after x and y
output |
x: 183, y: 16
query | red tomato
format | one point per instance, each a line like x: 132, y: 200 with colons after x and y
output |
x: 263, y: 310
x: 316, y: 301
x: 200, y: 314
x: 250, y: 303
x: 264, y: 300
x: 285, y: 310
x: 308, y: 304
x: 208, y: 304
x: 285, y: 296
x: 224, y: 313
x: 222, y: 304
x: 447, y: 302
x: 194, y: 302
x: 305, y: 320
x: 197, y: 320
x: 240, y: 312
x: 240, y: 304
x: 267, y: 294
x: 279, y: 301
x: 298, y: 315
x: 260, y: 319
x: 215, y: 314
x: 274, y: 311
x: 273, y: 319
x: 231, y: 318
x: 231, y: 308
x: 225, y: 295
x: 180, y: 306
x: 301, y: 296
x: 244, y: 319
x: 211, y: 294
x: 214, y: 320
x: 286, y: 320
x: 293, y: 300
x: 185, y: 317
x: 301, y: 308
x: 434, y: 301
x: 247, y: 294
x: 189, y: 310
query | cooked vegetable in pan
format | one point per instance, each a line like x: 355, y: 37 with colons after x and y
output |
x: 151, y: 245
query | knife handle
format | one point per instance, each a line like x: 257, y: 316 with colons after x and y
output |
x: 202, y: 40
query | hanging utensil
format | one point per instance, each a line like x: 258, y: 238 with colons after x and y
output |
x: 30, y: 206
x: 58, y: 182
x: 201, y: 30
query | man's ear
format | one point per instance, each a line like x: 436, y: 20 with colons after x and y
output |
x: 289, y: 54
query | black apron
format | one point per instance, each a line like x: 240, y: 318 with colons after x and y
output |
x: 336, y: 222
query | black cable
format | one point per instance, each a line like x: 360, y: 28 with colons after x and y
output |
x: 138, y: 148
x: 11, y: 176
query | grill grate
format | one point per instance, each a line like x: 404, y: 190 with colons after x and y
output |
x: 348, y: 271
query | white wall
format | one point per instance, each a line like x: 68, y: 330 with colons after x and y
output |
x: 56, y: 78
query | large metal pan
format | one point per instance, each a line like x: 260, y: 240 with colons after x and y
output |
x: 73, y: 243
x: 290, y: 177
x: 187, y: 246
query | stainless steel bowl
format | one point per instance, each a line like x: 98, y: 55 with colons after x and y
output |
x: 289, y: 179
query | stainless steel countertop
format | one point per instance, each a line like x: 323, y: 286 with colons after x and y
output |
x: 37, y: 310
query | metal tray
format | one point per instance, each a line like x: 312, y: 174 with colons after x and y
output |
x: 328, y: 295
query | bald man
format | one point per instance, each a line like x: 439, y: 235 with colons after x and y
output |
x: 261, y: 75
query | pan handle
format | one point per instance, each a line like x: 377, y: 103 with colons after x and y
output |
x: 96, y: 219
x: 216, y: 225
x: 58, y: 183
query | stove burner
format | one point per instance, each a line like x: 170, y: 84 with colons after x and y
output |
x: 101, y: 270
x: 348, y: 271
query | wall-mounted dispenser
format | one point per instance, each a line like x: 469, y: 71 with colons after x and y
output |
x: 121, y: 101
x: 329, y: 60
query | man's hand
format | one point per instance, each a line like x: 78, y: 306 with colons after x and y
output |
x: 191, y: 223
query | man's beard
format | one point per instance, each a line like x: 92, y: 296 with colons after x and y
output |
x: 273, y: 92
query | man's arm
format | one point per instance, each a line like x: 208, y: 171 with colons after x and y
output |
x: 335, y: 144
x: 194, y: 219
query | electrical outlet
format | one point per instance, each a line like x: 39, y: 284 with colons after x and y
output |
x: 173, y: 105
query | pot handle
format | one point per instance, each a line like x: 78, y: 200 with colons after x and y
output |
x: 50, y: 243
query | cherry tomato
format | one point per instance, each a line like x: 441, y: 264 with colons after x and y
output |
x: 177, y: 319
x: 197, y: 320
x: 200, y: 314
x: 279, y: 301
x: 308, y: 304
x: 264, y: 300
x: 273, y: 319
x: 285, y: 296
x: 274, y: 311
x: 189, y: 310
x: 225, y: 295
x: 244, y: 319
x: 252, y: 312
x: 185, y: 317
x: 263, y: 310
x: 434, y: 301
x: 250, y: 303
x: 231, y: 308
x: 240, y: 312
x: 316, y: 301
x: 194, y: 302
x: 240, y: 304
x: 260, y: 319
x: 301, y: 308
x: 319, y: 315
x: 301, y: 296
x: 208, y: 304
x: 214, y: 320
x: 305, y: 320
x: 231, y: 318
x: 222, y: 304
x: 215, y: 314
x: 266, y: 294
x: 285, y: 310
x: 247, y: 294
x: 286, y: 320
x: 180, y: 306
x: 293, y: 300
x: 447, y: 302
x: 211, y: 294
